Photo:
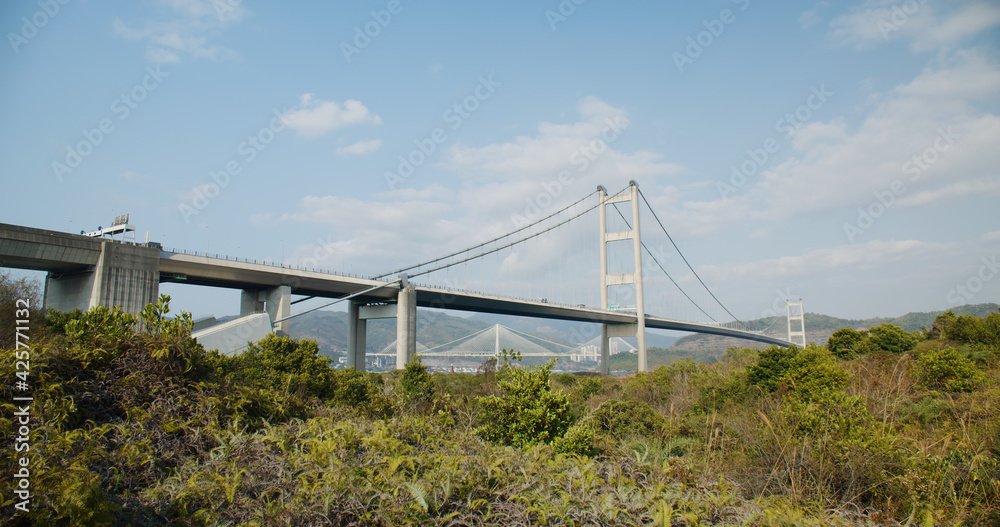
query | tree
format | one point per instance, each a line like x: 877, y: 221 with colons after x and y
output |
x: 946, y: 369
x: 846, y: 343
x: 890, y: 338
x: 528, y: 412
x: 416, y: 382
x: 15, y: 297
x: 282, y: 363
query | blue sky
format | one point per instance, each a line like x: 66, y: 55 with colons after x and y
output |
x: 822, y: 109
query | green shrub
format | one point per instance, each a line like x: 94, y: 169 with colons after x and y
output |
x: 654, y: 387
x: 588, y: 387
x: 968, y: 329
x: 846, y: 343
x: 890, y: 338
x: 807, y: 372
x: 947, y: 370
x: 527, y: 412
x: 285, y: 364
x: 578, y: 440
x: 771, y: 367
x: 623, y: 419
x: 416, y: 382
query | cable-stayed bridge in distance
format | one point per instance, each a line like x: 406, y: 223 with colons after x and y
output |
x: 539, y: 269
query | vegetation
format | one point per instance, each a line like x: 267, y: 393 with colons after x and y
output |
x: 133, y: 423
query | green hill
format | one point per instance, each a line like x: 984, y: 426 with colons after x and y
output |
x: 820, y: 327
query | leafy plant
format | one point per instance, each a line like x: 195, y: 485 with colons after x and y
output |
x: 945, y: 369
x: 890, y: 338
x: 527, y: 412
x: 416, y: 382
x: 846, y: 343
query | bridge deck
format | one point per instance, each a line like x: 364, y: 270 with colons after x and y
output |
x: 29, y: 248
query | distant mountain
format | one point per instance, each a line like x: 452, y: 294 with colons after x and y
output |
x: 820, y: 327
x: 562, y: 331
x: 329, y: 330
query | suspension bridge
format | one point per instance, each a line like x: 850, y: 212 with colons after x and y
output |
x: 542, y: 268
x: 621, y: 306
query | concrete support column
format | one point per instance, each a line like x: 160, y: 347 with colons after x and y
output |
x: 640, y: 310
x: 406, y: 326
x: 124, y: 276
x: 352, y: 336
x: 252, y: 301
x: 279, y: 305
x: 605, y: 362
x: 361, y: 345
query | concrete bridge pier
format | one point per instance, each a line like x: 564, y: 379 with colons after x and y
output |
x: 276, y: 301
x: 406, y: 325
x: 604, y: 366
x: 357, y: 335
x: 124, y: 276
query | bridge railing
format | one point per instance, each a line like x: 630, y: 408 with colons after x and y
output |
x: 263, y: 262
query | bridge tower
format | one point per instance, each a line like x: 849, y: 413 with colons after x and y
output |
x: 796, y: 323
x: 638, y: 329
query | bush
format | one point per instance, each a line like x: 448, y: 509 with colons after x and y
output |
x: 284, y: 364
x: 808, y: 372
x: 416, y: 382
x: 649, y: 387
x: 625, y: 419
x: 528, y: 412
x: 578, y: 440
x: 968, y: 329
x: 15, y: 297
x: 846, y: 343
x: 947, y: 370
x: 771, y: 367
x: 890, y: 338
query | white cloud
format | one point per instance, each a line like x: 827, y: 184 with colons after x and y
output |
x: 811, y: 17
x: 834, y: 166
x: 314, y: 118
x: 192, y: 25
x: 991, y: 237
x: 496, y: 181
x: 360, y: 148
x: 926, y: 25
x: 874, y: 254
x: 527, y: 169
x: 988, y: 186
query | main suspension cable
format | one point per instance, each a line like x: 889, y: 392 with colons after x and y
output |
x: 487, y: 242
x: 658, y: 264
x: 648, y: 206
x: 502, y: 247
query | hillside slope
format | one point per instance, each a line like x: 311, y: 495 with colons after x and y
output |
x: 820, y: 327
